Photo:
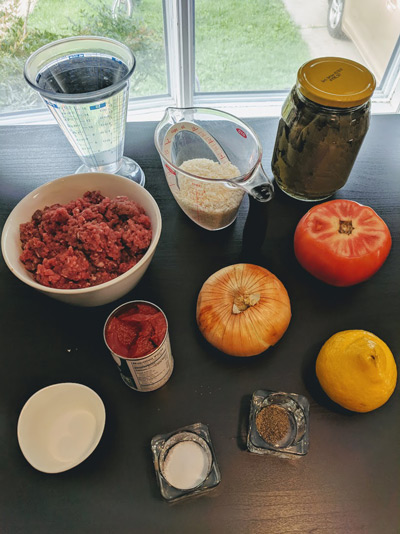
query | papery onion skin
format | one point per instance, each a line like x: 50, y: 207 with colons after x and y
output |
x: 253, y: 330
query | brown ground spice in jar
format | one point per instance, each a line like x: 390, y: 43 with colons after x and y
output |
x: 273, y: 424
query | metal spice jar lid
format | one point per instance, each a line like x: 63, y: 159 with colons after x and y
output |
x: 335, y: 82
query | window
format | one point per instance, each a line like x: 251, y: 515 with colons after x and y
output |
x: 25, y: 25
x: 236, y: 55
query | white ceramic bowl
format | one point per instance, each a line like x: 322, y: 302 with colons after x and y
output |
x: 62, y: 191
x: 60, y: 426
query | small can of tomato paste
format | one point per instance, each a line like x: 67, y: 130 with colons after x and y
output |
x: 136, y: 334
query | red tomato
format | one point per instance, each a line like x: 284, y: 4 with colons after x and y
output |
x: 342, y: 242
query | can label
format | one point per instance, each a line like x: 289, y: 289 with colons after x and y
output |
x: 152, y: 371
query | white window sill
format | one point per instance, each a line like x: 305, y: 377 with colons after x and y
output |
x: 239, y: 105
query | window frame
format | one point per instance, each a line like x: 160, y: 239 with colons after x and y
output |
x: 179, y: 35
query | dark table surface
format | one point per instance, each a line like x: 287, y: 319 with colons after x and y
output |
x: 350, y: 480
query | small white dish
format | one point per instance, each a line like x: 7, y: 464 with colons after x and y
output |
x: 60, y: 426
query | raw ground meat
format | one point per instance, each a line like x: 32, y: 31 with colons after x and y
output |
x: 86, y: 242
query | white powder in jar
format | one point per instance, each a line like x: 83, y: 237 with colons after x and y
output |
x: 186, y: 465
x: 212, y: 206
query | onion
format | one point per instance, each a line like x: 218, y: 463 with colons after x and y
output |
x: 243, y: 309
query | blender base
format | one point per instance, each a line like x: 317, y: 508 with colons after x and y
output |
x: 129, y: 169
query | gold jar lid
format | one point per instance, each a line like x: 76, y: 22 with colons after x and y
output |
x: 335, y: 82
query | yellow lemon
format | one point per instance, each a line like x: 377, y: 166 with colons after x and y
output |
x: 357, y: 370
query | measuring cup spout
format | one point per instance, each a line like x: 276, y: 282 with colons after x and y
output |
x: 173, y: 115
x: 168, y: 115
x: 258, y: 185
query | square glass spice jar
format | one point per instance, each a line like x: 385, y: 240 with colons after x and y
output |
x: 185, y: 462
x: 278, y: 424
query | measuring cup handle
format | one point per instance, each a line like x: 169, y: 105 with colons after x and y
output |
x: 259, y: 186
x: 263, y: 193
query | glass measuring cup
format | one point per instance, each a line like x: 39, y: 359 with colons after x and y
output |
x: 85, y: 83
x: 211, y: 191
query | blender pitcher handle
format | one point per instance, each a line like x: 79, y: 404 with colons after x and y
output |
x: 258, y: 185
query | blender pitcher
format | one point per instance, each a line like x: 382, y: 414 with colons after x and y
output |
x: 85, y: 83
x: 210, y: 159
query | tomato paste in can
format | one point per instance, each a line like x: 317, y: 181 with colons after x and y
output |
x: 136, y: 333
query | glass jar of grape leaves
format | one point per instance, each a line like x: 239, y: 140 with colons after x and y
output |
x: 323, y: 123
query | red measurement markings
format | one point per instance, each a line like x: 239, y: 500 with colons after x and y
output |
x: 170, y: 170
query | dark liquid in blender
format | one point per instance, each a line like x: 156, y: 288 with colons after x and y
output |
x: 81, y: 73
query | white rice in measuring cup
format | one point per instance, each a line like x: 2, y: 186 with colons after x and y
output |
x: 212, y: 206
